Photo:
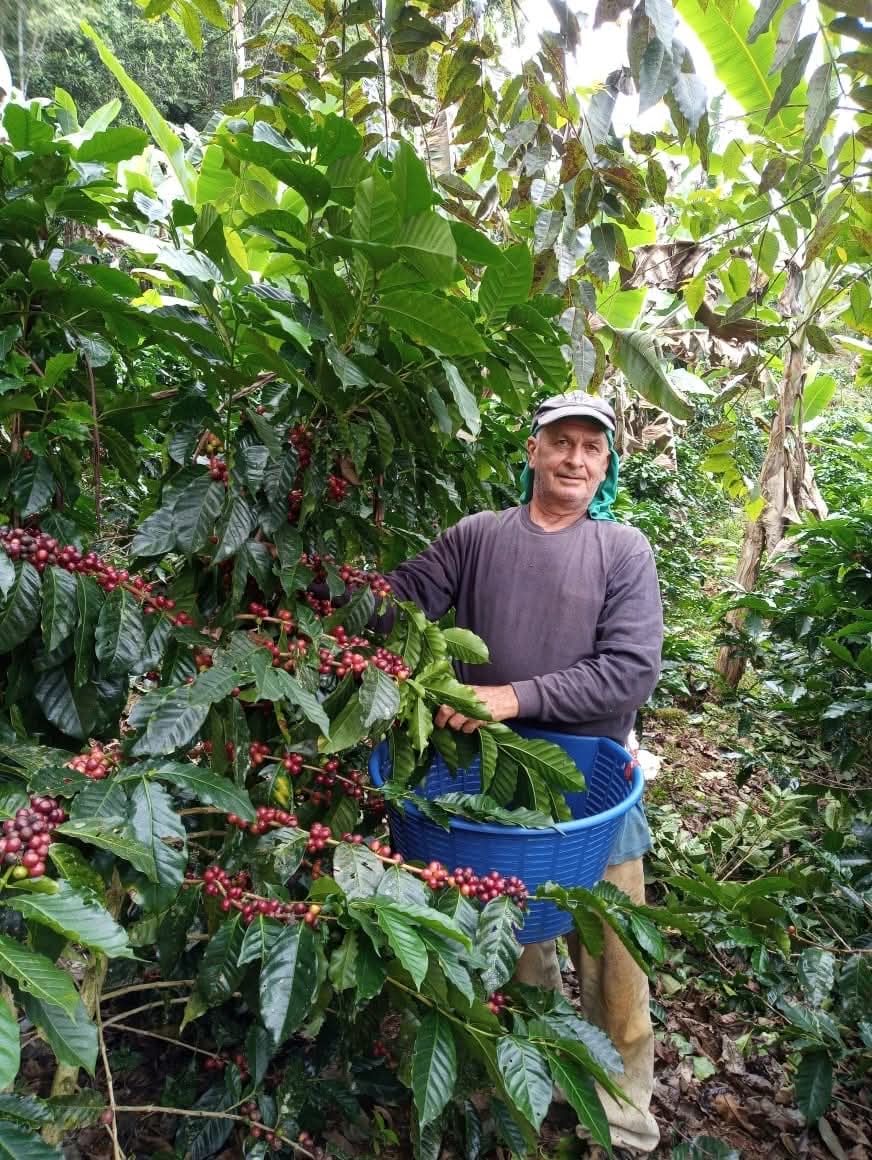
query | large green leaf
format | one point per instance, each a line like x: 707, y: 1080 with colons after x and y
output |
x: 208, y: 787
x: 405, y: 942
x: 195, y: 512
x: 220, y: 968
x: 814, y: 1084
x: 77, y: 1110
x: 58, y: 606
x: 89, y: 601
x: 73, y: 1038
x: 112, y: 145
x: 423, y: 916
x: 496, y: 942
x: 579, y: 1090
x: 153, y: 819
x: 235, y: 528
x: 356, y: 870
x: 379, y: 697
x: 34, y: 486
x: 164, y: 136
x: 543, y: 757
x: 507, y: 283
x: 427, y: 243
x: 20, y: 611
x: 741, y: 67
x: 72, y: 865
x: 112, y: 834
x: 288, y: 982
x: 27, y: 1110
x: 120, y: 638
x: 466, y: 646
x: 156, y: 535
x: 172, y: 722
x: 18, y: 1144
x: 526, y: 1078
x: 37, y: 975
x: 635, y: 353
x: 73, y: 914
x: 431, y: 319
x: 10, y: 1045
x: 73, y: 711
x: 434, y: 1066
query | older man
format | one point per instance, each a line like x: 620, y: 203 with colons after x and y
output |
x: 568, y: 603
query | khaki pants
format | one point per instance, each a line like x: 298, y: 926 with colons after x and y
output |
x: 614, y: 996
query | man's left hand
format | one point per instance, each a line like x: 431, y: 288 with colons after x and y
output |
x: 499, y: 700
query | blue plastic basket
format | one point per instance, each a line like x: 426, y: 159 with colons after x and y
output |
x: 573, y: 854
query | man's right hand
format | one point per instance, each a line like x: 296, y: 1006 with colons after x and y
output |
x: 448, y: 718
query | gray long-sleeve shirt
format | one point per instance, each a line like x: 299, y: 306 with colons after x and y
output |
x: 573, y: 619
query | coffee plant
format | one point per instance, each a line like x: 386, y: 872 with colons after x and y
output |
x: 190, y: 703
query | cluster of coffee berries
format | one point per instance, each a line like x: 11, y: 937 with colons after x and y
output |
x: 219, y: 1062
x: 319, y: 607
x: 487, y: 887
x: 268, y: 818
x: 381, y: 1051
x: 384, y: 851
x: 497, y: 1002
x: 354, y: 783
x: 95, y: 764
x: 258, y: 609
x: 435, y: 875
x: 235, y: 895
x: 293, y: 763
x: 391, y: 664
x: 319, y: 835
x: 295, y: 503
x: 27, y: 836
x: 203, y: 660
x: 258, y: 751
x: 328, y: 771
x: 42, y: 550
x: 355, y: 577
x: 212, y: 443
x: 218, y: 470
x: 337, y: 488
x: 300, y: 438
x: 307, y: 912
x: 355, y: 839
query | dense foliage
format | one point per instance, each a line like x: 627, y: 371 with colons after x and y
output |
x: 289, y: 349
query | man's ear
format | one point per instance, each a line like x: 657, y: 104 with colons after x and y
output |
x: 532, y: 443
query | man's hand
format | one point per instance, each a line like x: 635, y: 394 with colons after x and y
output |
x: 499, y: 700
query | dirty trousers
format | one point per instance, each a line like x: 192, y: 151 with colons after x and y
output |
x: 614, y: 996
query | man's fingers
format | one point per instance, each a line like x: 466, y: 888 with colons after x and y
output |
x: 443, y: 713
x: 470, y: 725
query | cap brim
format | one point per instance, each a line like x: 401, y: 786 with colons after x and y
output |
x: 576, y: 411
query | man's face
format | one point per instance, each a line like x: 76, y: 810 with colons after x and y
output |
x: 570, y: 458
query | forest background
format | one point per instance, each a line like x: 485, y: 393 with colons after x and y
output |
x: 702, y: 260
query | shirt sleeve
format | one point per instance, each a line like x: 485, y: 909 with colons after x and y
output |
x: 431, y: 579
x: 626, y: 665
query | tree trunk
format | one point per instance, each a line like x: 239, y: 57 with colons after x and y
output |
x: 238, y: 41
x: 22, y: 74
x: 787, y: 486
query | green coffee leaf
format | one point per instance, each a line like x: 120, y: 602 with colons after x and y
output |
x: 74, y: 914
x: 72, y: 1037
x: 434, y: 1066
x: 37, y: 975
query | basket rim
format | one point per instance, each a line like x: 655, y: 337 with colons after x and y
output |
x: 577, y: 825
